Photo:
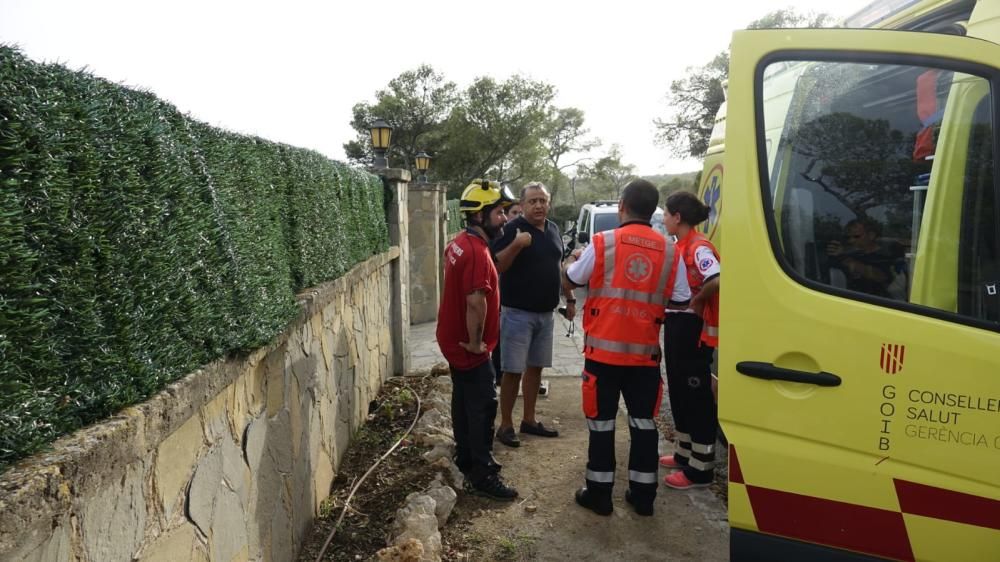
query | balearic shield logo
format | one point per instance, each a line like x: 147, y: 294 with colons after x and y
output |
x: 892, y: 358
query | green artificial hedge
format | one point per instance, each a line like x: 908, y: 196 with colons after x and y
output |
x: 454, y: 216
x: 138, y: 244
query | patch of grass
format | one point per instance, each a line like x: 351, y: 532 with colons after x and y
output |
x: 515, y: 547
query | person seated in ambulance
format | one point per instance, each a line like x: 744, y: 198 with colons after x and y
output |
x: 870, y: 264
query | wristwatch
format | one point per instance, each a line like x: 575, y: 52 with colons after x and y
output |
x: 570, y: 301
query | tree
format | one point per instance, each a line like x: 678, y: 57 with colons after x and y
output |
x: 675, y: 184
x: 494, y: 130
x: 565, y: 134
x: 415, y: 104
x: 696, y: 98
x: 504, y: 130
x: 608, y: 175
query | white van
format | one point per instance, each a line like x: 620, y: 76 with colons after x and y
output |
x: 598, y: 216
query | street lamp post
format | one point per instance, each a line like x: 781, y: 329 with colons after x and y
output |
x: 381, y: 133
x: 423, y: 163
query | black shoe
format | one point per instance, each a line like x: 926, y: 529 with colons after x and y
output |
x: 507, y: 436
x: 492, y: 486
x: 598, y: 503
x: 641, y: 508
x: 538, y: 429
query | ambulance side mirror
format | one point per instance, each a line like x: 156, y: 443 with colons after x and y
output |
x: 583, y: 237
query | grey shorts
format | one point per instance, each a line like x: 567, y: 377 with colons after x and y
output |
x: 525, y: 339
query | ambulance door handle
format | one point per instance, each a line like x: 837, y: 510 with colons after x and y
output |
x: 768, y: 371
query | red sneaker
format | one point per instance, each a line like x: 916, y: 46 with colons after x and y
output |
x: 668, y: 461
x: 679, y: 481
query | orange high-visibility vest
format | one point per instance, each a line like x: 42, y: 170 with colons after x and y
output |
x: 688, y: 247
x: 633, y: 279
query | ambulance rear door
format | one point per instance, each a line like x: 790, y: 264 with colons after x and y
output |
x: 860, y: 317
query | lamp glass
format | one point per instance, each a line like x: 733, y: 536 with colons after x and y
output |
x: 381, y: 134
x: 423, y: 162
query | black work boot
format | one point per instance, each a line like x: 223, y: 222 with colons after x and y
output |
x: 492, y: 486
x: 644, y: 508
x: 598, y: 502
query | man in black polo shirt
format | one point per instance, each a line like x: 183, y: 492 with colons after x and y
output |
x: 529, y: 256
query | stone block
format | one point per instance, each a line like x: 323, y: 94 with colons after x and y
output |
x: 276, y: 381
x: 215, y: 417
x: 235, y: 472
x: 295, y: 415
x: 55, y: 547
x: 228, y: 540
x: 175, y: 544
x: 323, y: 476
x: 175, y: 461
x: 204, y: 486
x: 279, y: 441
x: 114, y: 522
x: 282, y: 543
x: 256, y: 388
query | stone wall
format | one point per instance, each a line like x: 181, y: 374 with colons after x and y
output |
x: 229, y: 463
x: 426, y: 207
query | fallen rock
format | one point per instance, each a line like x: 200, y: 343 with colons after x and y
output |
x: 438, y: 439
x: 454, y: 474
x: 410, y: 550
x: 444, y: 499
x: 440, y: 451
x: 433, y: 423
x: 416, y: 520
x: 437, y: 401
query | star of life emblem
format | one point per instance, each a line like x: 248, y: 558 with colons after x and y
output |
x: 638, y: 268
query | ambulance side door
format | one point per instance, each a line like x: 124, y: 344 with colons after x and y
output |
x: 859, y: 355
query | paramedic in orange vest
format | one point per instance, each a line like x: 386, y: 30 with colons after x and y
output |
x: 689, y: 341
x: 632, y: 274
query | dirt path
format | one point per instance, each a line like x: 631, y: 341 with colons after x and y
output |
x: 546, y: 524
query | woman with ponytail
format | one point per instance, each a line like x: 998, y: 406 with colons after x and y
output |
x: 689, y: 341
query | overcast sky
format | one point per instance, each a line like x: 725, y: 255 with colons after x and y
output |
x: 291, y: 71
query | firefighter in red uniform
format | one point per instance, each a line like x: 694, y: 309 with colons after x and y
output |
x: 467, y: 331
x: 632, y: 273
x: 689, y: 340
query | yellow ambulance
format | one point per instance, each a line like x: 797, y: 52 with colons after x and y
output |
x: 860, y: 330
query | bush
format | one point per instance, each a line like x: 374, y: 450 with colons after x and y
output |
x: 562, y: 213
x: 138, y: 244
x: 454, y: 216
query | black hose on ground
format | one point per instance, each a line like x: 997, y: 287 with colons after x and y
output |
x: 357, y: 484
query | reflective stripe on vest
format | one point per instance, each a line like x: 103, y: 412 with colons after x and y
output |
x: 620, y: 346
x: 629, y: 294
x: 609, y: 257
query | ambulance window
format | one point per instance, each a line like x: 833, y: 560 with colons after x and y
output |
x: 851, y: 173
x: 979, y: 257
